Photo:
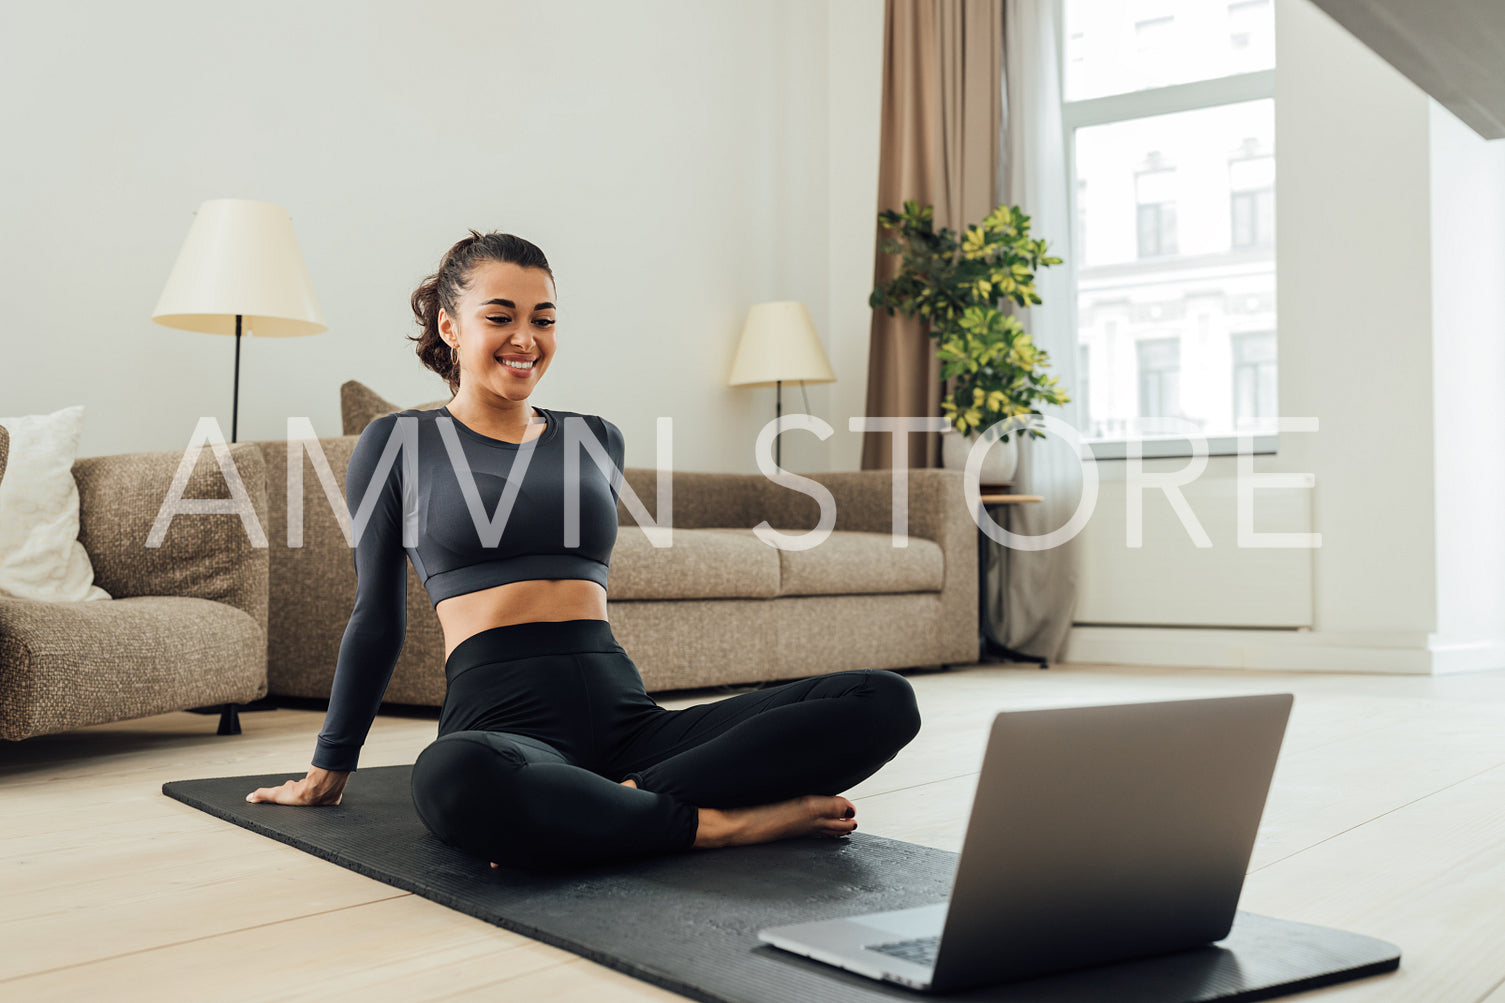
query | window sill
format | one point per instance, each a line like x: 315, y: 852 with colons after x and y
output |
x: 1155, y: 447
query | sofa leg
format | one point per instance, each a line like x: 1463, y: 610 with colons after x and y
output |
x: 229, y: 720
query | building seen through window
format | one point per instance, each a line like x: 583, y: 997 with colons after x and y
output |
x: 1169, y: 115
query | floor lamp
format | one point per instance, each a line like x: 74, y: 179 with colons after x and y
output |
x: 240, y: 268
x: 779, y: 343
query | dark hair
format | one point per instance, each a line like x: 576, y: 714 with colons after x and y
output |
x: 443, y: 289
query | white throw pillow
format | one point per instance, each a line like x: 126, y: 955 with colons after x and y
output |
x: 40, y: 556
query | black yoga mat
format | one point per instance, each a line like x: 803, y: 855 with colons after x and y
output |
x: 688, y: 921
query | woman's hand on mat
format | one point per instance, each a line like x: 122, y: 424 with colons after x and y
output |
x: 321, y: 786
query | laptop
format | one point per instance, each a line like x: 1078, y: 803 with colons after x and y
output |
x: 1098, y: 834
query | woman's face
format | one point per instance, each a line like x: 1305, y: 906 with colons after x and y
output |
x: 507, y: 314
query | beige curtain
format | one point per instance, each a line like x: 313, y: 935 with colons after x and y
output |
x: 962, y: 135
x: 1032, y: 594
x: 942, y: 116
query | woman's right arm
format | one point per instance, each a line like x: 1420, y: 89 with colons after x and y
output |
x: 378, y: 623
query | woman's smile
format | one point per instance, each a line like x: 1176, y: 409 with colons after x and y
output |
x: 521, y: 366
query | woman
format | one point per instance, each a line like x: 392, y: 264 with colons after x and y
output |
x: 549, y: 751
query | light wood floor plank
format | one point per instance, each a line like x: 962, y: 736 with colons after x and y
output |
x: 342, y: 953
x: 570, y: 982
x: 1428, y: 876
x: 1387, y: 816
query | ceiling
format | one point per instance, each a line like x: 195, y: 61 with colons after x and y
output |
x: 1452, y: 49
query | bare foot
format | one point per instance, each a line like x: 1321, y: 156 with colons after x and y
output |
x: 625, y: 783
x: 808, y: 815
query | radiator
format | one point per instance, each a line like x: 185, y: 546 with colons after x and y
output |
x: 1170, y: 581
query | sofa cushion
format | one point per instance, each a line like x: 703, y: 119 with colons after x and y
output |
x: 735, y: 564
x: 699, y: 564
x: 213, y: 557
x: 41, y: 556
x: 848, y: 562
x: 360, y: 406
x: 65, y: 665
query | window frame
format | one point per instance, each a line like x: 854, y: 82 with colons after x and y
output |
x: 1166, y: 100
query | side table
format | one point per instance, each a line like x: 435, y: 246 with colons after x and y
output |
x: 990, y: 647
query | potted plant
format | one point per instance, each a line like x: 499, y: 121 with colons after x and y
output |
x: 956, y: 287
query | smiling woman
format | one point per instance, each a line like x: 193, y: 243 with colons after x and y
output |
x: 491, y: 303
x: 549, y: 750
x: 488, y: 317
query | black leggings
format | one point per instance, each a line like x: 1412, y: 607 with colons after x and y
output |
x: 542, y: 720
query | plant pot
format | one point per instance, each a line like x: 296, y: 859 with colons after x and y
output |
x: 998, y: 463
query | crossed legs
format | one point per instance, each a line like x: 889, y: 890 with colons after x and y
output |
x: 812, y: 736
x: 743, y: 769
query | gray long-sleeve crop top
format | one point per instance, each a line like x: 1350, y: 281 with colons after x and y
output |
x: 470, y: 512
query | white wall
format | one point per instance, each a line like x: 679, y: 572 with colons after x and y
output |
x: 854, y: 123
x: 1468, y: 387
x: 671, y: 157
x: 1354, y: 309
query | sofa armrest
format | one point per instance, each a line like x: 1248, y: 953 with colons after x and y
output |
x: 205, y: 556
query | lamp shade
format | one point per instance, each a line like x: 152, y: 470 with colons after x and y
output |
x: 240, y: 257
x: 779, y: 343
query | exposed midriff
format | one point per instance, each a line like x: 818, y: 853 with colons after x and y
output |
x: 518, y: 602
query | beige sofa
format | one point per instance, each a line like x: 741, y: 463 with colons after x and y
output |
x: 717, y: 607
x: 208, y: 618
x: 186, y: 625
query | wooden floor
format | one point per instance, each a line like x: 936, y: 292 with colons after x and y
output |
x: 1387, y: 817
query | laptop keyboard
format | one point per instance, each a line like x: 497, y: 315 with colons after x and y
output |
x: 920, y: 950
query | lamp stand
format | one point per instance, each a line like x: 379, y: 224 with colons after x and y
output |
x: 229, y: 721
x: 778, y: 418
x: 235, y: 393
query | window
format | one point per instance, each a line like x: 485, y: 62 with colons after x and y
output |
x: 1081, y: 216
x: 1251, y: 185
x: 1155, y: 193
x: 1168, y: 108
x: 1123, y: 46
x: 1254, y: 378
x: 1153, y: 38
x: 1248, y: 23
x: 1083, y: 393
x: 1159, y: 377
